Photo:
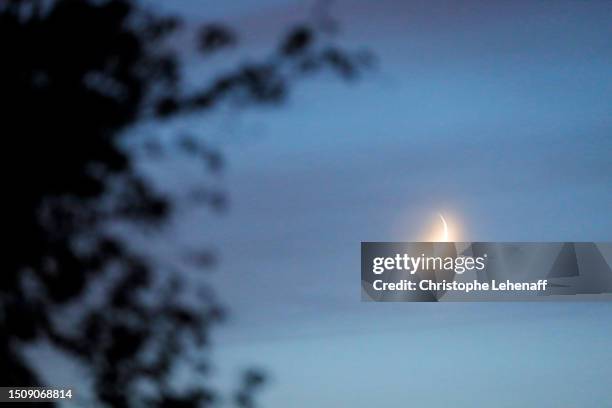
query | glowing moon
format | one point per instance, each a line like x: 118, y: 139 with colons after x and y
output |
x: 445, y: 233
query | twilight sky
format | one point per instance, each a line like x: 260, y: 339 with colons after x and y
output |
x: 496, y: 114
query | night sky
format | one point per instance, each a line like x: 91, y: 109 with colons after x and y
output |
x: 496, y: 114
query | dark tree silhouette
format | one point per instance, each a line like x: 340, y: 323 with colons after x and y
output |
x: 74, y: 76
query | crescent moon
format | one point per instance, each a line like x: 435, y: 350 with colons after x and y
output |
x: 445, y: 235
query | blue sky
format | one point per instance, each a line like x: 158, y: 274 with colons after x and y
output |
x: 496, y: 114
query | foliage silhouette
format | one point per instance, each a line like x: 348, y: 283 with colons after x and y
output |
x: 75, y: 75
